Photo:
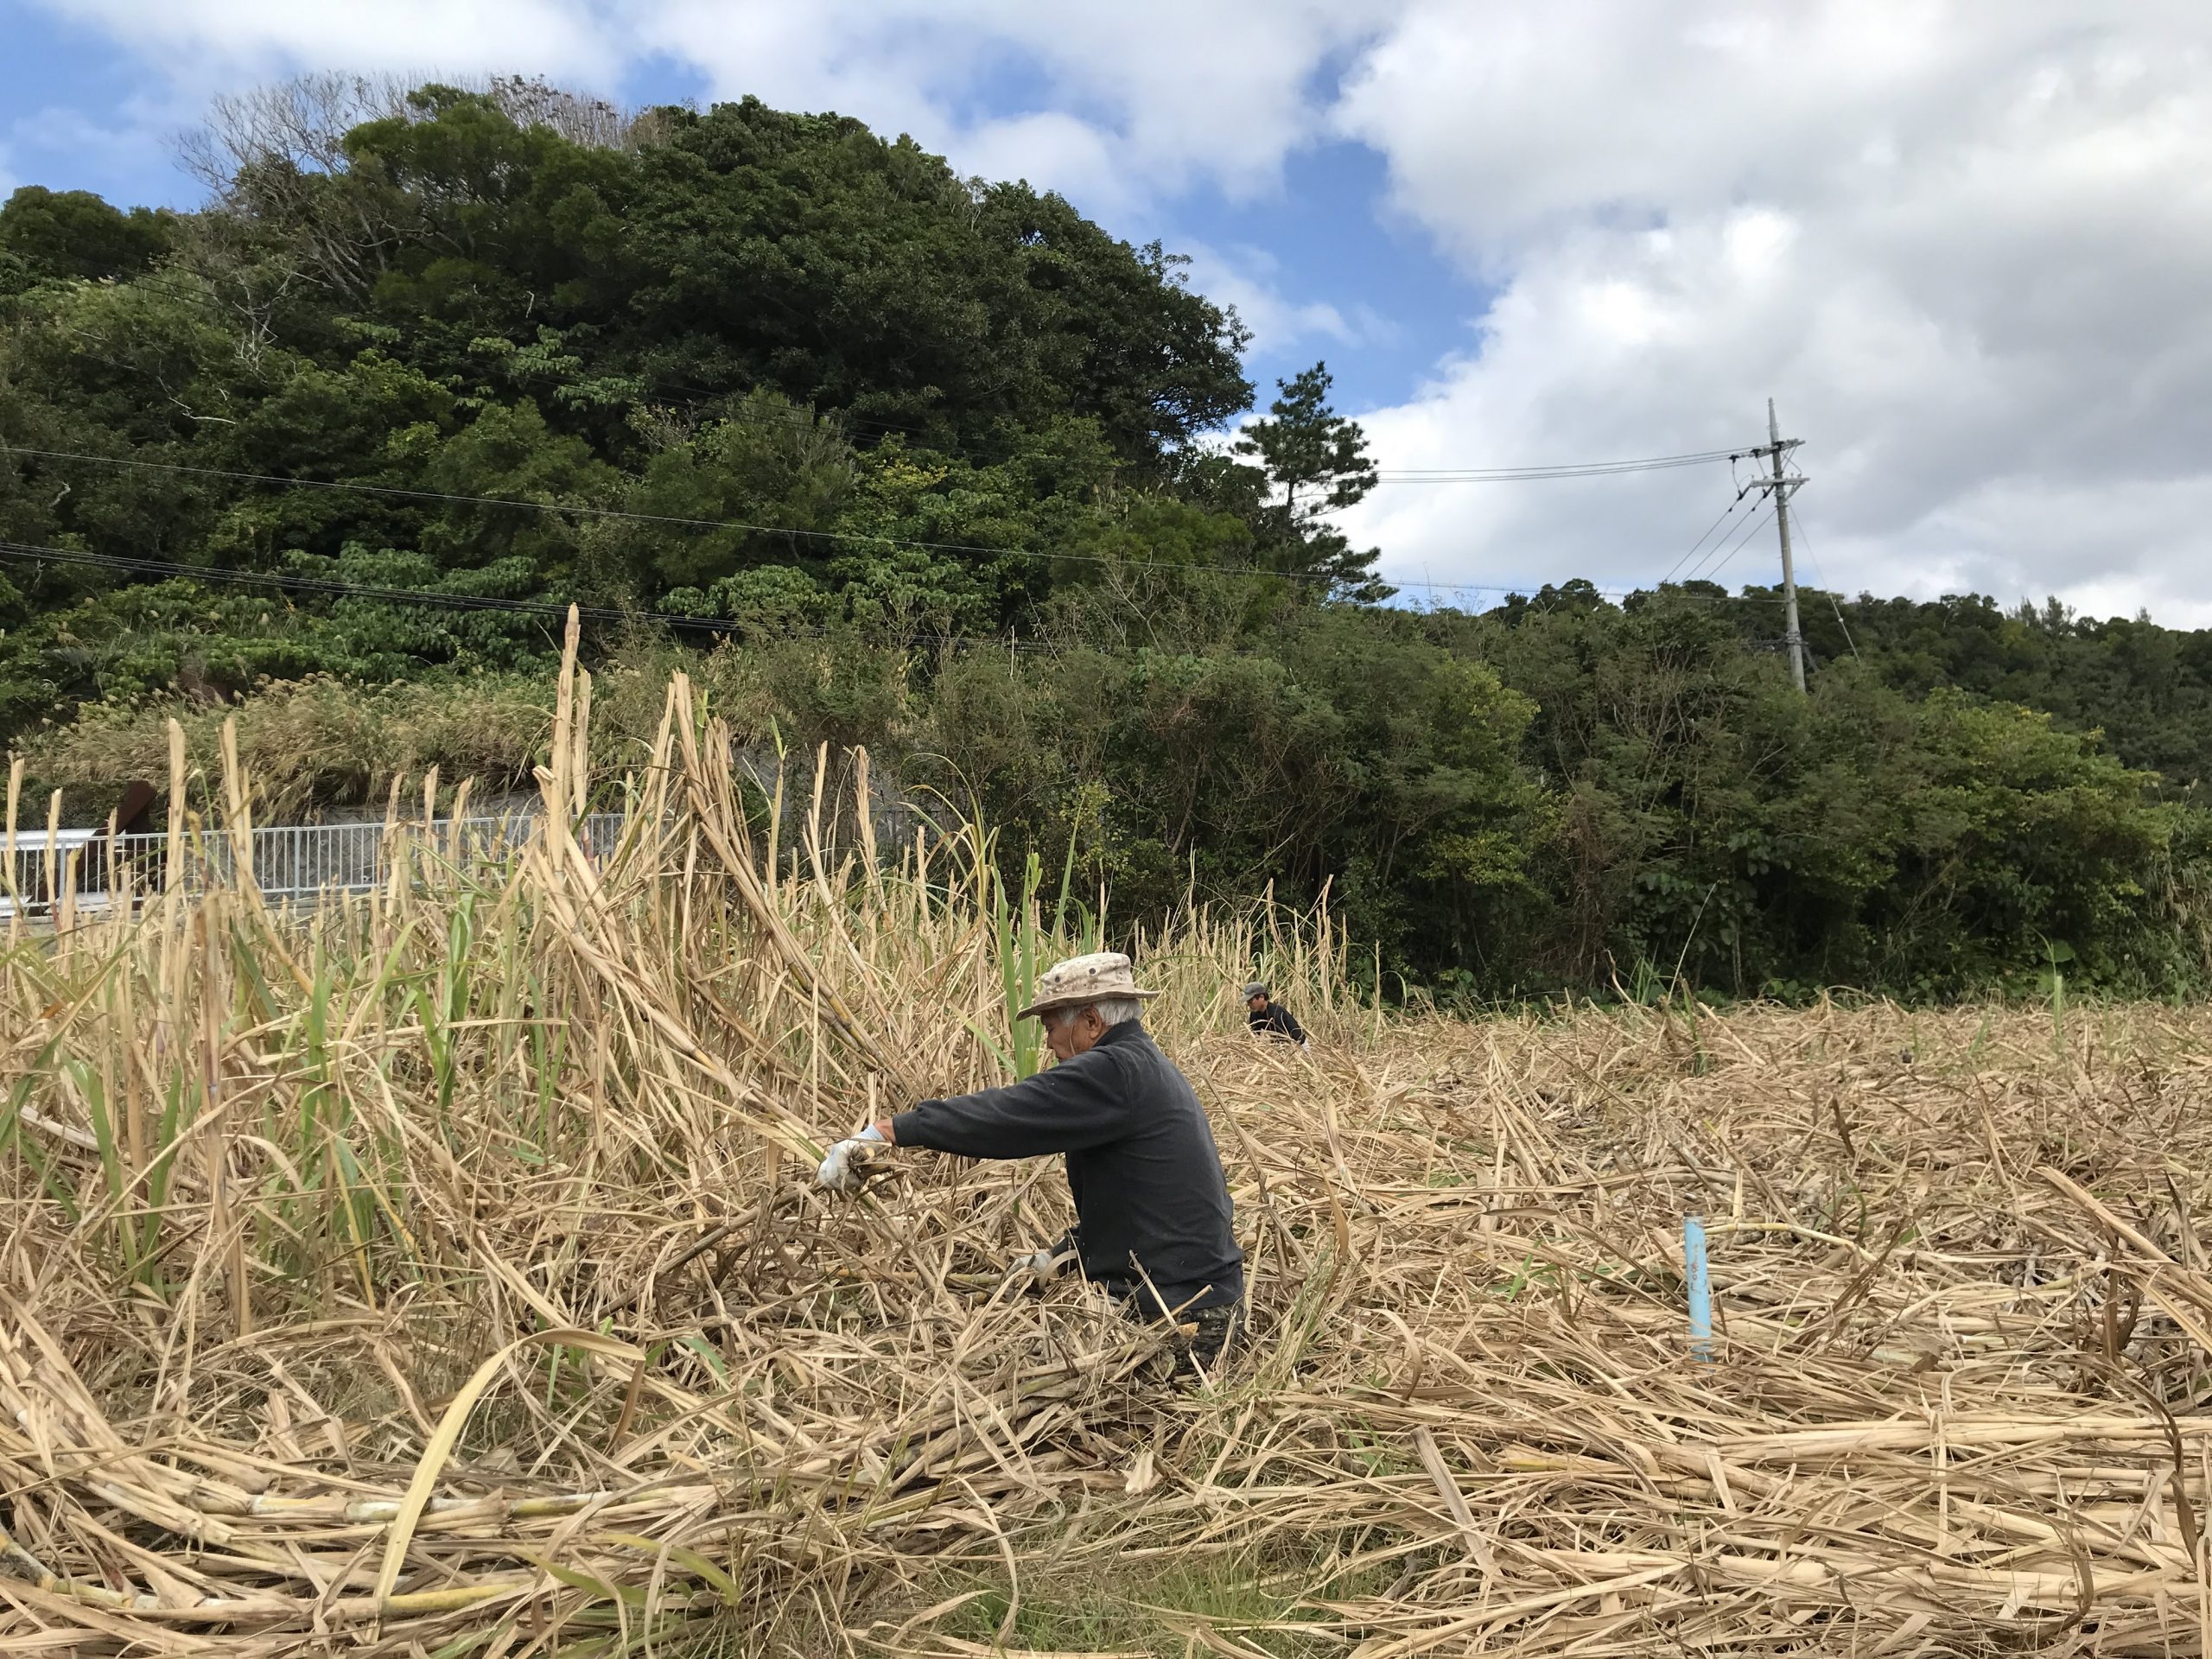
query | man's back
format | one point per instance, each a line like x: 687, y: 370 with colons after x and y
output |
x: 1150, y: 1196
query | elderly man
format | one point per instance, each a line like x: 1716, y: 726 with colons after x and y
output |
x: 1154, y: 1225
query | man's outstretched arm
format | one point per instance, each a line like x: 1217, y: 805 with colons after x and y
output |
x: 1070, y: 1106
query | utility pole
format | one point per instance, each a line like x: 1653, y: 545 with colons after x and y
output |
x: 1782, y: 487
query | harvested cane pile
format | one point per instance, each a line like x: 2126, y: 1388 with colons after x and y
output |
x: 440, y: 1274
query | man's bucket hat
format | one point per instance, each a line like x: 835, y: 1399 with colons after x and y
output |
x: 1095, y: 978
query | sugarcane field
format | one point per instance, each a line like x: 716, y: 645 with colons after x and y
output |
x: 443, y: 1271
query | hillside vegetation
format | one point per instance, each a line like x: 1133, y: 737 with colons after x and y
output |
x: 884, y: 456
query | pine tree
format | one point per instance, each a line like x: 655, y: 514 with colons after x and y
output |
x: 1318, y: 459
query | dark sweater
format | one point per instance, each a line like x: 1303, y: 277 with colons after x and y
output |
x: 1275, y: 1021
x: 1147, y: 1183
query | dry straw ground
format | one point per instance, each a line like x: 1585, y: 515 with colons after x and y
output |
x: 439, y: 1274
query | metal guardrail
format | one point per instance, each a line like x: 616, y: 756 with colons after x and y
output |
x: 291, y: 863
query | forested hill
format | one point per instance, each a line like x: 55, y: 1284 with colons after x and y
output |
x: 887, y: 456
x: 2146, y: 689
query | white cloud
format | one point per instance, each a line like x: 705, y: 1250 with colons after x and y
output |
x: 1250, y: 279
x: 1220, y: 91
x: 1969, y: 248
x: 1052, y: 151
x: 212, y: 41
x: 1143, y: 99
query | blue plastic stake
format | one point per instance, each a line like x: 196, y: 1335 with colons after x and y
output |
x: 1701, y: 1278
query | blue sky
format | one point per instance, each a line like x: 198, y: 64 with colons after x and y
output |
x: 1969, y: 249
x: 62, y: 88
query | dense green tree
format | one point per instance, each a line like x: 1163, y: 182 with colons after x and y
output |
x: 1712, y: 819
x: 742, y: 248
x: 71, y: 234
x: 707, y: 356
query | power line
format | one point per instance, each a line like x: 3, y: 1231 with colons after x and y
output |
x: 804, y: 418
x: 553, y: 609
x: 1700, y: 542
x: 1440, y: 474
x: 1751, y: 527
x: 550, y: 609
x: 383, y: 491
x: 1731, y: 538
x: 1758, y: 523
x: 1834, y: 603
x: 1567, y: 470
x: 1732, y: 543
x: 1570, y: 470
x: 586, y: 510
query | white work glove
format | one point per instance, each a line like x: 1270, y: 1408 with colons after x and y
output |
x: 1045, y: 1264
x: 845, y: 1168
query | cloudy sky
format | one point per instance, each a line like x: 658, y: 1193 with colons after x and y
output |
x: 1968, y: 247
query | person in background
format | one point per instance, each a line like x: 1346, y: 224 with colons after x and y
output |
x: 1154, y: 1229
x: 1270, y: 1019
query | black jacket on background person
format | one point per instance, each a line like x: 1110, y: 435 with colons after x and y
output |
x: 1146, y: 1180
x: 1275, y: 1019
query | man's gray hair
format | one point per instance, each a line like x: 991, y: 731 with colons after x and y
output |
x: 1112, y: 1010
